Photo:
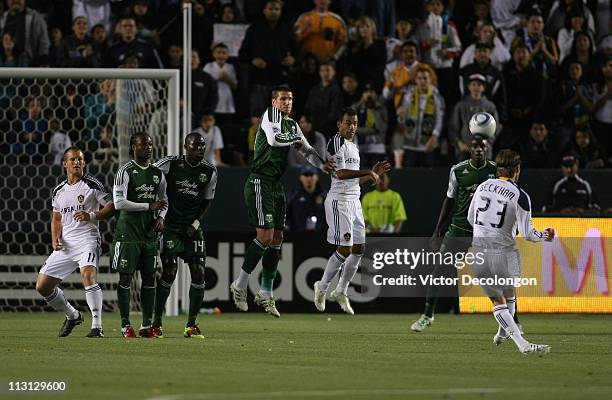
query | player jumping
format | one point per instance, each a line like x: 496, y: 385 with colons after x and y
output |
x: 75, y: 239
x: 343, y: 212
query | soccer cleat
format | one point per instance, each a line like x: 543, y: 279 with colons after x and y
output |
x: 268, y: 304
x: 193, y: 331
x: 157, y: 331
x: 128, y: 332
x: 319, y: 297
x: 95, y: 333
x: 343, y: 300
x: 146, y: 332
x: 239, y: 296
x: 423, y: 322
x: 499, y: 339
x: 535, y: 349
x: 69, y: 325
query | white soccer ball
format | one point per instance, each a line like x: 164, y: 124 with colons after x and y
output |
x: 483, y: 124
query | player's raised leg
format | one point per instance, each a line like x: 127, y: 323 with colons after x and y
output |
x: 48, y: 287
x: 269, y: 261
x: 254, y: 253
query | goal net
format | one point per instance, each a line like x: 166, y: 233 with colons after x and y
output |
x: 43, y: 111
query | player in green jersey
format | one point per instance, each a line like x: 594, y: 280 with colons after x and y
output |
x: 463, y: 181
x: 191, y: 187
x: 265, y: 196
x: 139, y: 193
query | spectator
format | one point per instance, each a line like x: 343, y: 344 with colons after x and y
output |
x: 383, y: 208
x: 34, y: 128
x: 383, y: 14
x: 228, y: 14
x: 100, y: 108
x: 522, y: 109
x: 129, y: 45
x: 58, y: 144
x: 543, y: 48
x: 204, y: 92
x: 372, y: 127
x: 107, y: 151
x: 585, y: 148
x: 303, y: 79
x: 214, y: 139
x: 583, y: 52
x: 537, y: 150
x: 571, y: 194
x: 403, y: 31
x: 315, y: 138
x: 269, y: 49
x: 56, y: 37
x: 480, y: 17
x: 565, y: 38
x: 12, y: 56
x: 96, y: 11
x: 255, y: 121
x: 29, y: 31
x: 77, y: 50
x: 440, y: 45
x: 305, y: 209
x: 458, y: 130
x: 145, y: 21
x: 399, y: 74
x: 225, y: 75
x: 321, y: 32
x: 602, y: 116
x: 368, y: 47
x: 562, y: 12
x: 576, y: 99
x: 175, y: 57
x: 99, y: 34
x: 495, y: 85
x: 504, y: 16
x: 419, y: 118
x: 487, y: 34
x: 350, y: 86
x: 324, y: 101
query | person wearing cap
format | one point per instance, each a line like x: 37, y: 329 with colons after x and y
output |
x: 543, y: 47
x: 305, y: 205
x: 499, y: 54
x: 373, y: 123
x: 571, y: 194
x: 383, y: 208
x: 495, y: 88
x: 458, y: 131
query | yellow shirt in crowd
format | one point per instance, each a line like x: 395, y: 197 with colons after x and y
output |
x: 382, y: 209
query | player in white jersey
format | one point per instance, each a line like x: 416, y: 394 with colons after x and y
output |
x: 78, y: 202
x: 343, y: 211
x: 497, y: 209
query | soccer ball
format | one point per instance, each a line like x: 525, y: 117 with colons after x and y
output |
x: 483, y: 124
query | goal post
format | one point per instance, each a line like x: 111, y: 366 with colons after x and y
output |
x: 78, y: 106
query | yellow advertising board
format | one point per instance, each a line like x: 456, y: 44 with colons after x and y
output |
x: 572, y: 272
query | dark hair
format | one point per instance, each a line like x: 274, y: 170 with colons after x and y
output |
x: 72, y: 148
x: 190, y: 135
x: 582, y: 33
x: 133, y: 139
x: 280, y: 88
x: 508, y: 161
x: 350, y: 111
x: 329, y: 63
x: 307, y: 117
x: 220, y: 45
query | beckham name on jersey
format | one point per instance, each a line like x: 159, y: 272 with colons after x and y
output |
x: 500, y: 190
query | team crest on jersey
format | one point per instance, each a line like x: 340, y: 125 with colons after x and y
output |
x: 347, y: 236
x: 491, y: 176
x: 81, y: 198
x: 465, y: 172
x: 123, y: 263
x: 170, y: 244
x: 268, y: 217
x: 155, y: 179
x: 203, y: 178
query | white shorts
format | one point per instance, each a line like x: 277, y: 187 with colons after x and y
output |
x: 345, y: 222
x: 506, y: 264
x: 62, y: 263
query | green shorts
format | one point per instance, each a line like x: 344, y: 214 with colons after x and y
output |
x: 266, y: 202
x: 128, y: 257
x: 190, y: 250
x: 456, y: 240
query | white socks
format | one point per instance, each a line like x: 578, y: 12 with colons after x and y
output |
x: 511, y: 303
x: 331, y: 269
x: 243, y: 279
x: 93, y: 295
x: 348, y: 272
x: 506, y: 322
x: 57, y: 300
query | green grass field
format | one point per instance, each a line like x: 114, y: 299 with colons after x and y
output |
x: 308, y: 356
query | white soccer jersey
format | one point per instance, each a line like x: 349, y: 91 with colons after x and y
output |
x: 88, y: 195
x: 346, y: 155
x: 497, y: 209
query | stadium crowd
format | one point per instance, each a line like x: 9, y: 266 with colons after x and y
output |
x: 414, y: 70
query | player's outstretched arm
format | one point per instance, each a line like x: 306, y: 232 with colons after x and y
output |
x: 525, y: 224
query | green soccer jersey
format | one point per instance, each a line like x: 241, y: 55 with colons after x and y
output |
x: 463, y: 181
x: 272, y: 142
x: 135, y: 187
x: 188, y: 185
